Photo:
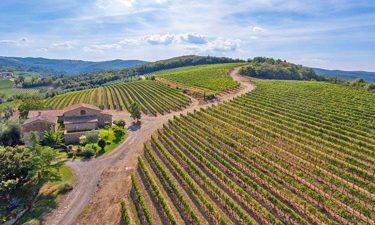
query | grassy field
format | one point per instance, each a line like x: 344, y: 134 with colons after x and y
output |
x: 206, y: 77
x: 289, y: 152
x: 154, y: 97
x: 6, y: 84
x: 8, y: 92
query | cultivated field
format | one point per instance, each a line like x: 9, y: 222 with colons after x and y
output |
x: 213, y: 78
x: 153, y: 96
x: 5, y: 83
x: 289, y: 152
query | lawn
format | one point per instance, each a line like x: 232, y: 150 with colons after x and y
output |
x: 110, y: 137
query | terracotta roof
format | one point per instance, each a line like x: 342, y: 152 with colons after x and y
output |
x: 80, y: 119
x: 52, y: 120
x: 45, y: 113
x: 76, y: 106
x: 51, y: 116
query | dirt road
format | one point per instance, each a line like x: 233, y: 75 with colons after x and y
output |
x: 101, y: 183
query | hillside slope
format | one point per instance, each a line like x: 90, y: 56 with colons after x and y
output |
x: 62, y: 66
x: 290, y: 152
x: 346, y: 75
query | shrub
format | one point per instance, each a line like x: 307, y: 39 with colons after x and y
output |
x: 88, y: 152
x: 120, y: 123
x: 69, y: 154
x: 83, y: 140
x: 118, y: 132
x: 64, y: 188
x: 107, y: 125
x: 102, y: 144
x: 53, y: 138
x: 92, y: 136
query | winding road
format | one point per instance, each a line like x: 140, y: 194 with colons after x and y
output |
x: 101, y: 183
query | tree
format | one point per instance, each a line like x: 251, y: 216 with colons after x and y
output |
x: 120, y: 123
x: 8, y: 112
x: 102, y: 144
x: 32, y: 138
x: 45, y: 156
x: 10, y: 133
x: 17, y: 166
x: 53, y: 138
x: 30, y: 104
x: 135, y: 111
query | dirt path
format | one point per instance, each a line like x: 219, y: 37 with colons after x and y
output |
x: 103, y: 182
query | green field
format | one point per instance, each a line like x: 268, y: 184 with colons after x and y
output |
x: 8, y: 92
x: 6, y: 83
x: 207, y: 77
x: 289, y: 152
x: 154, y: 97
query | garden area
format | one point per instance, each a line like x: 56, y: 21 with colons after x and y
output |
x: 98, y: 142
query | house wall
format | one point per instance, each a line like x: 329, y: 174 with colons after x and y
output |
x: 81, y: 127
x: 39, y: 126
x: 77, y: 112
x: 103, y: 118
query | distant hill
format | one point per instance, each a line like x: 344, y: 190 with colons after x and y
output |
x: 62, y: 66
x: 346, y: 75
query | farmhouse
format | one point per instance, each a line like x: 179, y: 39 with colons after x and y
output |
x: 6, y: 75
x: 76, y: 120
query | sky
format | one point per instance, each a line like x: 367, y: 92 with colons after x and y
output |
x: 332, y: 34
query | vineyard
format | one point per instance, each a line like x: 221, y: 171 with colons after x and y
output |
x: 290, y: 152
x: 153, y: 96
x: 207, y: 77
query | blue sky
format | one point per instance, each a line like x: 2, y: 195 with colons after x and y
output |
x: 334, y: 34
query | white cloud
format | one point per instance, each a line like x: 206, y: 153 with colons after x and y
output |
x: 193, y: 38
x: 18, y: 42
x: 157, y: 39
x: 64, y: 45
x: 106, y: 4
x: 217, y: 46
x: 101, y: 48
x: 257, y: 29
x: 223, y: 45
x: 167, y: 39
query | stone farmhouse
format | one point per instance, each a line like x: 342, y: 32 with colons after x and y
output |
x: 75, y: 120
x: 6, y: 75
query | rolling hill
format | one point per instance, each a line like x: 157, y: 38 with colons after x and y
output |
x: 62, y: 66
x: 346, y: 75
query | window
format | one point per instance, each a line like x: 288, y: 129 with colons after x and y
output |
x: 83, y: 112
